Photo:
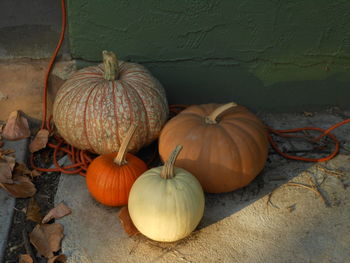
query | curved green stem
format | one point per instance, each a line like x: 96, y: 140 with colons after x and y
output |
x: 168, y: 169
x: 120, y: 158
x: 212, y: 118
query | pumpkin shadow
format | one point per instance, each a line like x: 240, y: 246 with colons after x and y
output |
x: 277, y: 171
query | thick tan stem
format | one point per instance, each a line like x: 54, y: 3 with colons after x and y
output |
x: 111, y: 65
x: 212, y: 118
x: 168, y: 168
x: 120, y: 158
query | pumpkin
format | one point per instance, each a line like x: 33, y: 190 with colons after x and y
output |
x: 95, y: 107
x: 166, y: 203
x: 225, y: 146
x: 109, y: 177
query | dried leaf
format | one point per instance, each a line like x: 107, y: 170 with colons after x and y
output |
x: 40, y: 141
x: 33, y: 211
x: 22, y: 168
x: 60, y: 259
x: 9, y: 159
x: 26, y: 171
x: 35, y: 173
x: 308, y: 114
x: 7, y: 151
x: 5, y: 173
x: 47, y: 238
x: 16, y: 127
x: 126, y: 222
x: 59, y: 211
x: 22, y: 187
x: 25, y: 258
x: 1, y: 143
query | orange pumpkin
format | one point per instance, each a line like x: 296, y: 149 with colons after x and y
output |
x: 109, y: 177
x: 95, y: 107
x: 225, y: 146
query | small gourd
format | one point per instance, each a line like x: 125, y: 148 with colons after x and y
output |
x: 110, y: 176
x: 166, y: 203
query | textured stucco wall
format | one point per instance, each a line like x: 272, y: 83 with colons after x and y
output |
x: 266, y: 54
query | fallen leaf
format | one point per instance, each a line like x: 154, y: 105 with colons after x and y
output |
x: 40, y: 141
x: 22, y: 187
x: 22, y: 168
x: 47, y: 238
x: 26, y: 171
x: 9, y: 159
x: 33, y: 211
x: 126, y: 222
x: 16, y: 127
x: 5, y: 173
x: 7, y: 151
x: 35, y: 173
x: 59, y: 211
x: 60, y: 259
x: 2, y: 125
x: 308, y: 114
x: 1, y: 143
x: 25, y: 258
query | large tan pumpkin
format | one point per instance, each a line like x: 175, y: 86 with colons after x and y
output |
x: 225, y: 146
x: 97, y: 105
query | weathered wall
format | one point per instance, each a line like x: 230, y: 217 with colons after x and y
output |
x: 29, y: 29
x: 267, y: 54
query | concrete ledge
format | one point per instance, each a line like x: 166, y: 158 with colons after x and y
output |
x: 7, y: 202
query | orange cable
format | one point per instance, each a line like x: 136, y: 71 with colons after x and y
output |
x: 305, y: 159
x: 51, y: 63
x: 81, y: 162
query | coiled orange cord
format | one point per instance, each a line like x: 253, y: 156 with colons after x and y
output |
x: 81, y: 159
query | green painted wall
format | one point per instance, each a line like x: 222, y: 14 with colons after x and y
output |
x: 266, y: 54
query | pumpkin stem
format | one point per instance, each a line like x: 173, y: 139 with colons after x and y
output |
x: 111, y: 65
x: 120, y: 158
x: 212, y: 118
x: 168, y: 169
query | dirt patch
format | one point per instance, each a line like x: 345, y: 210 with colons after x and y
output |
x: 46, y: 185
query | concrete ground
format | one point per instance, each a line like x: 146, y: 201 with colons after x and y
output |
x: 297, y: 225
x: 7, y: 203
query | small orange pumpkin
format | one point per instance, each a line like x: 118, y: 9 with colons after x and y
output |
x: 225, y: 146
x: 110, y: 176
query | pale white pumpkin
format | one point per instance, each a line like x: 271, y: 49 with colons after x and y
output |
x: 97, y: 105
x: 166, y: 203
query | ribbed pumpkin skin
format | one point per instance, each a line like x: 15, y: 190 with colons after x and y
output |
x: 92, y: 113
x: 109, y: 183
x: 223, y: 156
x: 166, y: 210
